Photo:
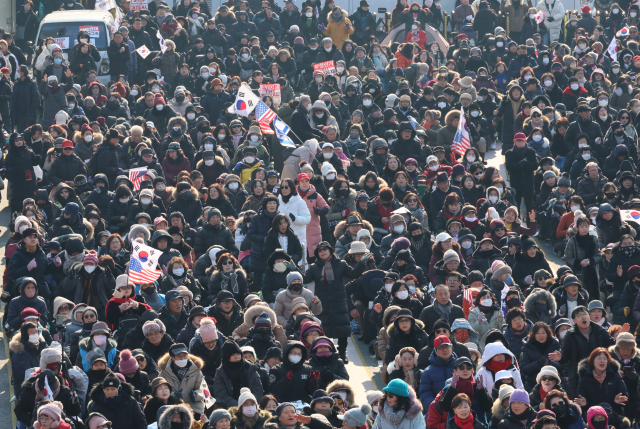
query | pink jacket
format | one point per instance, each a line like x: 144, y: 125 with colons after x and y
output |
x: 314, y: 232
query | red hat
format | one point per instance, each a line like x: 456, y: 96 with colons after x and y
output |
x: 67, y: 143
x: 4, y: 70
x: 636, y: 58
x: 634, y: 271
x: 85, y: 127
x: 303, y: 176
x: 102, y: 121
x: 120, y: 89
x: 586, y: 9
x: 158, y: 99
x: 29, y: 312
x: 462, y: 36
x: 519, y: 136
x: 441, y: 340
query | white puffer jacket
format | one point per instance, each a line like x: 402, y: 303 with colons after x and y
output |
x: 300, y: 211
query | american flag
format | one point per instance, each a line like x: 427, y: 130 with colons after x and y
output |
x: 461, y: 139
x: 136, y: 175
x: 468, y: 296
x: 265, y: 116
x: 139, y: 275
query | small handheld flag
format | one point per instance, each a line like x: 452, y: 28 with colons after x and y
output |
x: 265, y: 116
x: 282, y: 130
x: 613, y: 49
x: 136, y: 175
x: 461, y: 140
x: 143, y: 263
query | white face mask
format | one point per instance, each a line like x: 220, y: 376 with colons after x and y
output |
x: 470, y: 219
x: 586, y: 156
x: 249, y: 411
x: 71, y: 105
x: 632, y: 14
x: 537, y: 137
x: 414, y: 27
x: 89, y: 268
x: 466, y: 245
x: 88, y: 138
x: 340, y: 69
x: 279, y: 267
x: 160, y: 106
x: 532, y: 16
x: 255, y: 138
x: 178, y: 272
x: 134, y: 92
x: 331, y: 176
x: 478, y: 176
x: 191, y: 116
x: 294, y: 359
x: 402, y: 295
x: 574, y: 208
x: 208, y: 162
x: 309, y: 14
x: 318, y: 79
x: 434, y: 167
x: 233, y: 186
x: 616, y: 11
x: 486, y: 302
x: 399, y: 229
x: 245, y: 56
x: 499, y: 44
x: 327, y: 155
x: 548, y: 83
x: 319, y: 115
x: 221, y: 136
x: 493, y: 199
x: 442, y: 105
x: 575, y: 86
x: 181, y: 363
x: 100, y: 339
x: 205, y: 75
x: 388, y: 287
x: 375, y: 409
x: 562, y: 334
x: 390, y: 141
x: 208, y: 146
x: 615, y: 70
x: 603, y: 117
x: 23, y: 227
x: 471, y: 158
x: 475, y: 113
x: 145, y: 201
x: 527, y: 76
x: 124, y: 200
x: 603, y: 102
x: 367, y: 102
x: 249, y: 159
x: 500, y: 190
x: 34, y: 338
x: 545, y: 61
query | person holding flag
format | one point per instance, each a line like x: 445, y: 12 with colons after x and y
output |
x: 521, y: 165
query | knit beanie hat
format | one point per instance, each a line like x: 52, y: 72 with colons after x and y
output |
x: 91, y: 257
x: 208, y: 330
x: 245, y: 394
x: 450, y: 256
x: 625, y: 340
x: 519, y: 395
x: 53, y: 410
x: 218, y: 415
x: 263, y: 321
x: 501, y: 269
x: 548, y: 370
x: 111, y: 380
x: 128, y: 364
x: 505, y: 390
x: 397, y: 387
x: 373, y: 396
x: 357, y: 417
x: 294, y: 275
x: 153, y: 326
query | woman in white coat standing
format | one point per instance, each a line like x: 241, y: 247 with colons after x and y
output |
x: 295, y: 208
x: 306, y: 152
x: 554, y: 11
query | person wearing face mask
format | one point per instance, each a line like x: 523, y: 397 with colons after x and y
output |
x: 294, y: 377
x: 100, y: 338
x: 26, y: 347
x: 113, y: 400
x: 28, y: 299
x: 119, y: 209
x: 125, y: 302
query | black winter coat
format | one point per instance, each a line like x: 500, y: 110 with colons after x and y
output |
x: 66, y: 168
x: 115, y: 211
x: 27, y: 399
x: 417, y: 338
x: 430, y: 315
x: 533, y: 357
x: 595, y: 392
x: 156, y: 352
x: 210, y: 235
x: 526, y: 266
x: 173, y: 324
x: 211, y: 358
x: 107, y: 162
x: 125, y: 414
x: 331, y: 369
x: 191, y: 209
x: 521, y: 165
x: 224, y: 325
x: 300, y: 387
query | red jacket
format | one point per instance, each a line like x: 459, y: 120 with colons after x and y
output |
x: 565, y: 222
x: 420, y: 38
x: 436, y: 418
x: 403, y: 62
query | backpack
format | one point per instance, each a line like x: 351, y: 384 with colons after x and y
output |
x: 127, y: 323
x: 287, y: 152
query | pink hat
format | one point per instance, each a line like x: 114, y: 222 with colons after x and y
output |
x: 519, y: 136
x: 128, y: 364
x: 91, y: 257
x: 495, y: 264
x: 157, y: 220
x: 120, y: 377
x: 208, y: 331
x: 53, y: 410
x: 323, y: 342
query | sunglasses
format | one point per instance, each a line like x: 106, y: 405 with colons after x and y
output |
x: 547, y: 378
x: 464, y: 366
x: 536, y: 115
x: 284, y: 187
x: 389, y: 395
x: 227, y: 262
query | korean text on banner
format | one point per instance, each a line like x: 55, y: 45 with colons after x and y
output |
x: 273, y: 90
x: 138, y: 5
x: 327, y: 67
x: 63, y: 42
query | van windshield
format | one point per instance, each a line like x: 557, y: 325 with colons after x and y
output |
x: 66, y: 34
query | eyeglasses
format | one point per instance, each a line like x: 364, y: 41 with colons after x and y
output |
x: 544, y: 278
x: 547, y: 378
x: 464, y: 366
x: 228, y: 262
x: 624, y: 117
x: 536, y: 115
x: 284, y: 187
x: 442, y: 331
x: 68, y: 148
x: 88, y: 316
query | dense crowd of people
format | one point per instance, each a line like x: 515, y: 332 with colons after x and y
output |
x: 374, y: 223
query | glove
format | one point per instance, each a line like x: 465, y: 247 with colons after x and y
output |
x: 32, y: 264
x: 89, y: 179
x: 292, y: 217
x: 346, y: 212
x: 123, y: 307
x: 193, y: 396
x: 550, y: 18
x: 120, y: 171
x: 289, y: 376
x: 321, y: 27
x: 528, y: 280
x: 562, y: 310
x: 348, y: 26
x: 627, y: 310
x: 631, y: 375
x: 290, y: 265
x: 178, y: 394
x: 316, y: 211
x: 542, y: 360
x: 454, y: 381
x: 480, y: 382
x: 365, y: 258
x: 315, y: 375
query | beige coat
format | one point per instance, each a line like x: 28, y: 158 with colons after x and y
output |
x: 306, y: 152
x: 516, y: 17
x: 249, y: 322
x: 192, y: 381
x: 283, y: 304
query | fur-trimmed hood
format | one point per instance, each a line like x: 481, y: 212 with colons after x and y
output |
x: 139, y: 228
x: 78, y: 139
x: 16, y: 346
x: 256, y: 310
x: 414, y: 408
x: 343, y: 385
x: 164, y: 360
x: 165, y: 419
x: 449, y: 117
x: 498, y: 410
x: 178, y: 120
x: 57, y: 302
x: 176, y: 195
x: 392, y: 327
x: 341, y: 228
x: 536, y: 294
x: 381, y: 182
x: 583, y: 367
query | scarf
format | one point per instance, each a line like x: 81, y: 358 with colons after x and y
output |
x: 118, y: 255
x: 572, y: 298
x: 327, y: 271
x: 70, y: 260
x: 384, y: 212
x: 464, y: 424
x: 426, y: 125
x: 599, y: 378
x: 443, y: 309
x: 394, y: 417
x: 236, y: 139
x: 515, y: 106
x: 543, y: 393
x: 467, y: 386
x: 177, y: 282
x: 181, y: 373
x: 494, y: 366
x: 230, y: 281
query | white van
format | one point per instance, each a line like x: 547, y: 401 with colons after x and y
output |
x: 64, y: 26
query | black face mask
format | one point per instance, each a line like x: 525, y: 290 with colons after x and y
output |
x: 620, y: 133
x: 87, y: 326
x: 180, y: 98
x: 610, y: 195
x: 184, y: 424
x: 149, y: 290
x: 296, y: 287
x: 602, y: 424
x: 513, y: 302
x: 417, y: 238
x: 560, y: 409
